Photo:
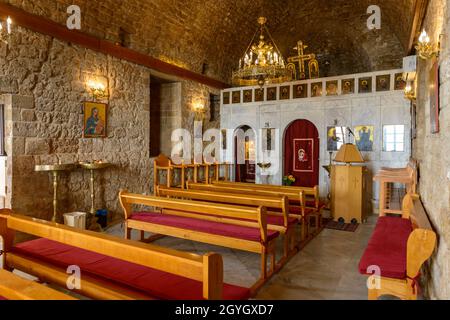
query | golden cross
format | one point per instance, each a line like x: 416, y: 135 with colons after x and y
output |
x: 301, y: 58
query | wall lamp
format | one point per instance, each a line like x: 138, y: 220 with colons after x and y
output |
x: 5, y: 30
x: 97, y: 89
x: 410, y: 93
x: 425, y: 48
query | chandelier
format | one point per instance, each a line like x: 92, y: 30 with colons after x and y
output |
x: 262, y: 62
x: 5, y: 30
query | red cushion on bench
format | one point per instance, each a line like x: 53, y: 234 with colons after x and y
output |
x: 155, y: 283
x: 387, y: 248
x: 279, y: 220
x: 217, y: 228
x: 2, y: 298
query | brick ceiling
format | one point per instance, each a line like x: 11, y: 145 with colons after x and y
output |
x: 193, y: 32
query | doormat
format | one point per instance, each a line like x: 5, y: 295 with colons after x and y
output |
x: 341, y: 226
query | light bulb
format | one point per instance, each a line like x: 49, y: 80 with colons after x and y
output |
x: 8, y: 25
x: 424, y: 38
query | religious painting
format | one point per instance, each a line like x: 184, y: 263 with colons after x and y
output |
x: 365, y: 85
x: 313, y: 67
x: 384, y: 83
x: 335, y: 138
x: 236, y: 97
x: 94, y: 120
x: 316, y: 89
x: 400, y: 83
x: 248, y: 96
x: 226, y: 98
x: 348, y: 86
x: 285, y: 93
x: 364, y: 138
x: 272, y: 94
x: 434, y: 97
x: 332, y: 88
x: 303, y: 155
x: 259, y: 95
x: 300, y: 91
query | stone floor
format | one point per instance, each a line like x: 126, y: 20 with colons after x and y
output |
x: 326, y: 269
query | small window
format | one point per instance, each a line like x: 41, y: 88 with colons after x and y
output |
x: 394, y: 138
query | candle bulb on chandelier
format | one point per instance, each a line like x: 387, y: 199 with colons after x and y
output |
x: 8, y: 25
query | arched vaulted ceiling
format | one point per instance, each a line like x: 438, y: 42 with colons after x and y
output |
x: 191, y: 33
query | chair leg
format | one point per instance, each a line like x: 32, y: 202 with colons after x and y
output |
x: 264, y: 264
x: 127, y: 233
x: 142, y: 235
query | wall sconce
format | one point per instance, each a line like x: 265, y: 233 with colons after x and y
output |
x: 97, y: 89
x: 410, y: 93
x: 199, y: 109
x: 426, y: 49
x: 5, y: 30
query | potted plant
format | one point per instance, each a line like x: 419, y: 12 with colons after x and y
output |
x: 288, y: 180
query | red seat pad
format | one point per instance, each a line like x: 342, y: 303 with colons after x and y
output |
x: 228, y: 230
x: 152, y: 282
x: 2, y: 298
x: 387, y: 248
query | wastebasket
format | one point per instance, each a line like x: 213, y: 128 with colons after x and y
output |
x: 75, y: 219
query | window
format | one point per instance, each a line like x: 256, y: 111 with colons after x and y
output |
x: 394, y: 138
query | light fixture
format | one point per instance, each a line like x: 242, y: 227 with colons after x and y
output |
x: 262, y: 62
x: 5, y: 30
x: 425, y: 48
x: 199, y: 109
x: 97, y: 89
x: 410, y: 93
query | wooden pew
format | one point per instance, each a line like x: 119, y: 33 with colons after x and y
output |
x: 415, y: 242
x: 300, y: 211
x: 202, y: 222
x: 312, y: 194
x: 279, y: 221
x: 202, y: 272
x: 13, y: 287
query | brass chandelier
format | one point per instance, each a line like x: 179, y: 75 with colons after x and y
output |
x: 262, y: 62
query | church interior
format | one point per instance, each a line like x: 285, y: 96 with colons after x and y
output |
x: 224, y: 150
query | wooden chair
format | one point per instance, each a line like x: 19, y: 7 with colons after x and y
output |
x: 13, y: 287
x: 278, y: 221
x: 217, y: 224
x: 417, y: 242
x: 206, y: 270
x: 162, y: 163
x: 388, y: 176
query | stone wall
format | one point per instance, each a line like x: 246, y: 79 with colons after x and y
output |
x: 432, y: 151
x: 43, y: 85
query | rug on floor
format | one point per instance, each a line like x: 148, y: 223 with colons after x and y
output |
x: 349, y: 227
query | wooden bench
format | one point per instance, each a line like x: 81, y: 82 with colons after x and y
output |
x: 231, y: 226
x: 312, y: 195
x: 13, y: 287
x: 297, y: 207
x: 112, y: 268
x: 278, y: 221
x: 397, y: 250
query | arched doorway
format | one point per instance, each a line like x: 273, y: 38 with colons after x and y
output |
x: 245, y: 154
x: 301, y: 153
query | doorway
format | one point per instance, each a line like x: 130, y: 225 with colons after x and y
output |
x: 301, y: 153
x: 245, y: 154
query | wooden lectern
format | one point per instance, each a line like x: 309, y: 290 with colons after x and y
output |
x: 349, y: 186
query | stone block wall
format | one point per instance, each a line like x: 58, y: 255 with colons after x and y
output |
x: 43, y: 85
x: 432, y: 151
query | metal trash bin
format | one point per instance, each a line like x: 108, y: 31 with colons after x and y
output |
x: 75, y: 219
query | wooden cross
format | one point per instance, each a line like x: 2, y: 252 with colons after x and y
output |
x: 301, y: 58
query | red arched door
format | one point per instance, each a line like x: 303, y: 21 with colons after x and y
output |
x: 301, y: 147
x: 245, y: 155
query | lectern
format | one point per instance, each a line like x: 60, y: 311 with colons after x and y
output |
x: 348, y: 186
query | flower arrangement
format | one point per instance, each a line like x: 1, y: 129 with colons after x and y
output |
x: 288, y: 180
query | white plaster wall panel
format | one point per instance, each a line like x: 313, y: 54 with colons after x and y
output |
x: 338, y: 103
x: 343, y: 116
x: 395, y: 115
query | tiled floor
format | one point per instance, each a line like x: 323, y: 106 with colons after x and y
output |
x: 327, y: 268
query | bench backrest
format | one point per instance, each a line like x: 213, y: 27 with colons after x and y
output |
x: 290, y: 194
x: 269, y: 202
x: 207, y: 269
x: 422, y: 241
x: 162, y: 161
x: 13, y: 287
x: 200, y: 210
